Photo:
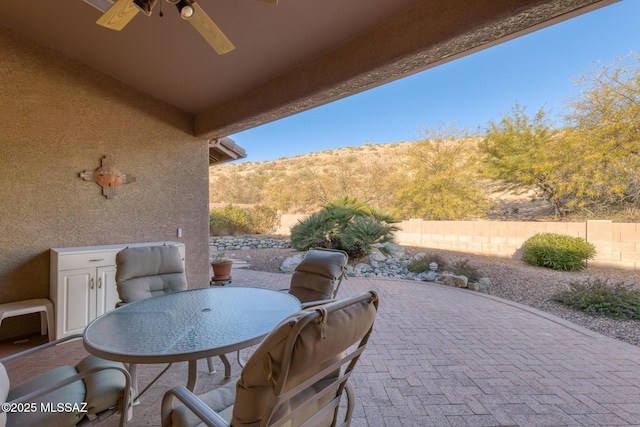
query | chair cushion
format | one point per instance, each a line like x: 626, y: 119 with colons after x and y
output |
x: 105, y: 388
x: 143, y: 272
x: 309, y: 287
x: 253, y: 389
x: 324, y: 262
x: 312, y: 354
x: 315, y: 277
x: 343, y: 328
x: 220, y: 400
x: 73, y: 393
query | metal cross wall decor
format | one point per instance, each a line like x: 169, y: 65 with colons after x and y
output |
x: 108, y: 177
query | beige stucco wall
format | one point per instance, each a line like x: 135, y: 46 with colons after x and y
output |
x: 58, y: 117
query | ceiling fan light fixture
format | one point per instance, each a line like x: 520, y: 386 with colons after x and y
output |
x: 145, y: 6
x: 185, y: 8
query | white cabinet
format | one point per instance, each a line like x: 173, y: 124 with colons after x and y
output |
x: 83, y: 284
x: 82, y: 295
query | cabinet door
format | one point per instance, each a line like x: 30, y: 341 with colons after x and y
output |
x: 76, y: 292
x: 107, y: 293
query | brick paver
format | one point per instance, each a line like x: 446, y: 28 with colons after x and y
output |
x: 442, y: 356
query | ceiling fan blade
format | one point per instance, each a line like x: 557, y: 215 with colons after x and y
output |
x: 269, y: 1
x: 118, y: 15
x: 210, y: 31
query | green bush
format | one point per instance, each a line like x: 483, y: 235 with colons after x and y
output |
x: 598, y: 297
x: 231, y: 220
x: 346, y: 224
x: 421, y: 264
x: 558, y: 252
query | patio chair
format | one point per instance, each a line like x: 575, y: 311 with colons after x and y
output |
x: 316, y: 279
x: 58, y: 397
x: 318, y: 276
x: 296, y: 376
x: 147, y: 271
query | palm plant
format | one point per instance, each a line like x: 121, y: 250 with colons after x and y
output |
x: 344, y: 223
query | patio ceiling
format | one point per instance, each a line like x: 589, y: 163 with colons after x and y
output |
x: 288, y: 57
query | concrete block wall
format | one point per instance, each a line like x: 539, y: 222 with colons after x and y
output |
x: 617, y: 244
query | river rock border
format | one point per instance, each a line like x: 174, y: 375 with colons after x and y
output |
x: 234, y: 243
x: 389, y: 263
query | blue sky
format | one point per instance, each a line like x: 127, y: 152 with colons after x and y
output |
x: 537, y: 70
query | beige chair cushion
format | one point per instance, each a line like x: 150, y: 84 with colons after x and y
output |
x: 325, y: 262
x: 101, y: 391
x: 105, y: 388
x: 315, y: 277
x: 309, y: 287
x: 312, y: 354
x: 220, y: 400
x: 253, y: 389
x: 144, y: 272
x: 72, y: 393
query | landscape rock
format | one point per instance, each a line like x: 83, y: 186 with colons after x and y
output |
x: 451, y: 279
x: 376, y: 256
x: 481, y: 285
x: 395, y: 250
x: 427, y: 276
x: 230, y: 243
x: 394, y: 266
x: 362, y: 268
x: 290, y: 263
x: 474, y: 286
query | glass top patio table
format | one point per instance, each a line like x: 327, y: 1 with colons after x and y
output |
x: 188, y: 325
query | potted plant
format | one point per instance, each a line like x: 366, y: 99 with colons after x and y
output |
x: 221, y: 267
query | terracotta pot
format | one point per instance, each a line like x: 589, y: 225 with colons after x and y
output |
x: 221, y: 270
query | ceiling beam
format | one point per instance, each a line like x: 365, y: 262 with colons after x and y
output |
x: 432, y: 33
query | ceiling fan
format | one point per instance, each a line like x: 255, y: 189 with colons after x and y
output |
x: 118, y: 15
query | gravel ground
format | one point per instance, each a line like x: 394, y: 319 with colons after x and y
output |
x: 512, y: 280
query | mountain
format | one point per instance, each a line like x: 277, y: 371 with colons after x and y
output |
x: 301, y: 184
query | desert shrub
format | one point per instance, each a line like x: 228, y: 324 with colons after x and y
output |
x: 362, y: 233
x: 463, y: 268
x: 230, y: 220
x: 217, y: 222
x: 421, y: 264
x: 598, y: 297
x: 346, y: 224
x: 263, y: 219
x: 558, y: 252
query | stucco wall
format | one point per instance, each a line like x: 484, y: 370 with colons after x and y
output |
x: 58, y: 117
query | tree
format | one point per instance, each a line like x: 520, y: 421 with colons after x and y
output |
x: 604, y: 133
x: 440, y: 179
x: 589, y: 165
x: 518, y: 152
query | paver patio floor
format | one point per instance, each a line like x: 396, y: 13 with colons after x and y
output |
x: 441, y: 356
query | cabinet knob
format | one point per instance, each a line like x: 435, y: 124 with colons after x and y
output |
x: 91, y: 283
x: 99, y: 282
x: 96, y: 260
